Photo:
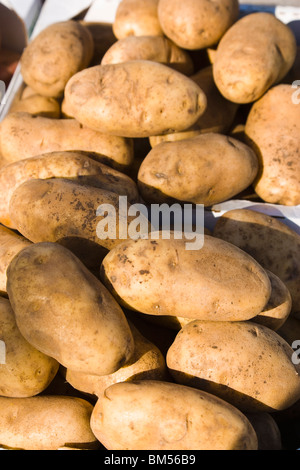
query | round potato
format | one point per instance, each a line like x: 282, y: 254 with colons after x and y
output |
x: 137, y: 18
x: 267, y: 239
x: 57, y: 53
x: 46, y: 423
x: 26, y: 372
x: 79, y: 167
x: 273, y: 130
x: 246, y: 364
x: 153, y: 48
x: 197, y: 24
x: 254, y: 54
x: 64, y: 311
x: 162, y: 277
x: 24, y: 136
x: 166, y: 416
x: 174, y: 170
x: 135, y: 99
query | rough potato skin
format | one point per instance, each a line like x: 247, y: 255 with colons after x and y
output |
x: 135, y: 99
x: 58, y: 422
x: 246, y: 364
x: 57, y: 53
x: 197, y: 24
x: 153, y: 415
x: 64, y: 311
x: 273, y: 130
x: 175, y: 170
x: 161, y: 277
x: 260, y: 45
x: 268, y: 240
x: 137, y: 18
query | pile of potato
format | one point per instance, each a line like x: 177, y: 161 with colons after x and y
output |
x: 125, y: 344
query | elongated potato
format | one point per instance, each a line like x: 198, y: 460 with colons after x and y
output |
x: 246, y: 364
x: 152, y: 415
x: 57, y: 53
x: 154, y: 48
x: 26, y: 372
x: 137, y: 18
x: 267, y: 239
x: 146, y: 363
x: 161, y: 277
x: 174, y: 170
x: 197, y: 24
x: 135, y: 99
x: 46, y: 423
x: 76, y: 320
x: 260, y: 46
x: 24, y: 136
x: 79, y: 167
x: 273, y: 130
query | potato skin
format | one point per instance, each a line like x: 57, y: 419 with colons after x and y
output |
x: 166, y: 416
x: 260, y: 45
x: 197, y: 24
x: 57, y: 53
x: 21, y: 138
x: 135, y: 99
x: 38, y: 105
x: 79, y: 167
x: 246, y: 364
x: 161, y: 277
x: 268, y: 240
x: 88, y: 331
x: 58, y: 422
x: 137, y: 18
x: 27, y: 372
x: 175, y: 170
x: 273, y: 130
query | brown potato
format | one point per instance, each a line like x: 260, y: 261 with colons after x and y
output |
x: 79, y: 167
x: 267, y: 239
x: 24, y: 136
x: 26, y: 372
x: 162, y: 277
x: 57, y: 53
x: 273, y: 130
x: 135, y: 99
x: 153, y: 415
x: 174, y: 170
x: 248, y: 365
x: 38, y: 105
x: 137, y: 18
x: 253, y: 55
x: 58, y: 422
x: 197, y: 24
x: 76, y: 320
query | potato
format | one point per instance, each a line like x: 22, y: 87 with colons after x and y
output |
x: 79, y: 167
x: 46, y: 423
x: 147, y: 363
x: 153, y: 48
x: 174, y: 170
x: 196, y: 24
x: 58, y: 52
x: 152, y: 415
x: 26, y: 371
x: 135, y: 99
x: 24, y: 136
x: 137, y: 18
x: 38, y: 105
x: 162, y: 277
x: 65, y: 312
x: 267, y: 431
x: 267, y: 239
x: 273, y: 130
x: 246, y: 364
x: 11, y: 243
x: 253, y: 55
